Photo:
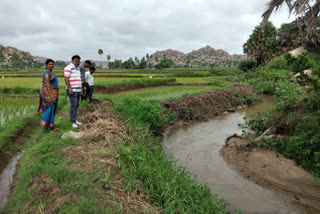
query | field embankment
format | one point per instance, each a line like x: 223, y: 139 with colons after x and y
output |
x: 209, y: 104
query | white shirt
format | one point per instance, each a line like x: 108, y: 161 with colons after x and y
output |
x: 89, y: 78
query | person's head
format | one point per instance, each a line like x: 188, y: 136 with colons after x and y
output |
x: 87, y: 63
x: 49, y: 64
x: 76, y: 60
x: 92, y: 69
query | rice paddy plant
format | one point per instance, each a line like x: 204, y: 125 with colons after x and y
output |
x: 166, y: 92
x: 11, y: 107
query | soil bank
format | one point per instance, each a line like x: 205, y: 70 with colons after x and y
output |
x: 275, y: 172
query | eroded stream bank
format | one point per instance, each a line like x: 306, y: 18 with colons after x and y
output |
x: 197, y: 148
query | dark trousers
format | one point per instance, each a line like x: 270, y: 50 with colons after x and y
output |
x: 83, y: 88
x: 74, y: 101
x: 89, y: 91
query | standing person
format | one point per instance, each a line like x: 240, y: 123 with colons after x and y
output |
x: 73, y: 88
x: 82, y: 67
x: 49, y: 94
x: 89, y: 83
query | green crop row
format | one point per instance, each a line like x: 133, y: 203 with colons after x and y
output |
x: 11, y: 107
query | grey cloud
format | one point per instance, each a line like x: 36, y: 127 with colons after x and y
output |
x: 126, y: 28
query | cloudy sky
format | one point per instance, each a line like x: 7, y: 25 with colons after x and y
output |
x: 61, y: 28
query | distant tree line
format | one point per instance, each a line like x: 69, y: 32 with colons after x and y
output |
x: 136, y: 63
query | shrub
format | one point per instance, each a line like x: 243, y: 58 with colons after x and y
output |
x: 277, y: 63
x: 223, y: 71
x: 247, y: 65
x: 299, y: 63
x: 304, y: 146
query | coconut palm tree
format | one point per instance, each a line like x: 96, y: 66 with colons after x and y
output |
x: 307, y: 11
x: 100, y: 52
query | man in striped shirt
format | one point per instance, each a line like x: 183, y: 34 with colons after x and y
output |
x: 74, y: 88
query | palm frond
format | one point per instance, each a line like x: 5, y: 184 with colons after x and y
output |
x: 306, y: 14
x: 312, y: 15
x: 273, y: 4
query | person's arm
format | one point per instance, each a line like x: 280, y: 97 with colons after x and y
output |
x: 67, y: 74
x: 47, y: 80
x: 86, y: 76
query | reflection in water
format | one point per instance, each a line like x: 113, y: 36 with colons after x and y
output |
x: 197, y: 149
x: 6, y: 178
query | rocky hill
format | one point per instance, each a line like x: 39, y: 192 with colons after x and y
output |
x: 206, y: 56
x: 10, y: 56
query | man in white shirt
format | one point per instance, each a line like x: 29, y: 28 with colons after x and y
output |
x: 89, y: 84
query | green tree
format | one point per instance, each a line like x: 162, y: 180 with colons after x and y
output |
x: 291, y: 37
x: 136, y: 59
x: 129, y: 64
x: 143, y: 63
x: 100, y: 52
x: 108, y: 58
x: 165, y: 63
x: 117, y: 63
x: 262, y: 44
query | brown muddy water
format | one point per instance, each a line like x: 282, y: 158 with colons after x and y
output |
x: 197, y: 149
x: 6, y: 179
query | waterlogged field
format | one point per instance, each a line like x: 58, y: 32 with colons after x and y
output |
x: 11, y: 107
x: 166, y: 92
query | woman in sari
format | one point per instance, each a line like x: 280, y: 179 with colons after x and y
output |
x: 49, y: 93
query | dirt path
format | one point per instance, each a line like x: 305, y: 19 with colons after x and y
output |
x: 275, y: 172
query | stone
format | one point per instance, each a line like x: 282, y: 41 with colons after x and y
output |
x: 74, y: 135
x: 297, y: 51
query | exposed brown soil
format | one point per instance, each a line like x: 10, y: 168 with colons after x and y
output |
x: 207, y: 105
x: 127, y: 87
x: 44, y: 186
x: 275, y: 172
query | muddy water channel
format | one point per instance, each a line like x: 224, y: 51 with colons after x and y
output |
x: 6, y: 179
x: 197, y: 149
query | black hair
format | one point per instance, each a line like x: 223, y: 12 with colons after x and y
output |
x: 76, y: 57
x: 88, y: 62
x: 48, y: 61
x: 92, y: 68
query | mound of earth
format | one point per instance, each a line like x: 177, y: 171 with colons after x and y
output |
x: 209, y: 104
x: 275, y: 172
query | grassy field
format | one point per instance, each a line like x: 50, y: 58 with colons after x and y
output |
x: 166, y: 92
x: 36, y: 82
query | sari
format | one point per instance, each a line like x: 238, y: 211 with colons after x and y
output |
x: 48, y: 105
